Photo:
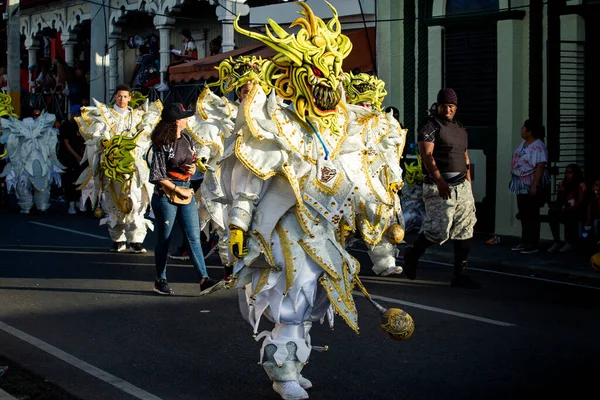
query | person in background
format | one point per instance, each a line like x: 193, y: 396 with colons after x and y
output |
x: 190, y: 51
x: 530, y: 181
x: 449, y: 203
x: 71, y: 149
x: 568, y: 209
x: 145, y: 66
x: 215, y: 45
x: 36, y: 113
x: 173, y: 164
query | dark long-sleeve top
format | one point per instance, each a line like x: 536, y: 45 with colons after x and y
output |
x: 168, y: 161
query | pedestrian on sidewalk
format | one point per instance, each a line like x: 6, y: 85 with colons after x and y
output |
x: 173, y: 164
x: 449, y: 203
x: 531, y: 183
x: 568, y: 209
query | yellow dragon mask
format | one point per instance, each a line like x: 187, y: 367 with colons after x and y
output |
x: 308, y: 67
x: 235, y: 73
x: 364, y: 88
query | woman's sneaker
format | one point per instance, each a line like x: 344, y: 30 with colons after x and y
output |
x: 210, y: 285
x: 161, y: 287
x: 518, y: 247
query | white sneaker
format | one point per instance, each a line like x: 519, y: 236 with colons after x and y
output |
x: 290, y: 390
x: 304, y: 383
x: 394, y: 269
x: 555, y: 247
x: 71, y: 210
x: 566, y: 248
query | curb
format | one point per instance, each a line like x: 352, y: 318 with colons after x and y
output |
x: 6, y: 396
x: 579, y: 277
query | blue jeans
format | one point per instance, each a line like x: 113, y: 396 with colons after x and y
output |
x: 166, y: 213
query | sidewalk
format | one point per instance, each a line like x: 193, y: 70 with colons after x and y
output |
x: 572, y: 267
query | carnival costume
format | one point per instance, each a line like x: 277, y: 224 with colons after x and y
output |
x: 117, y: 143
x: 413, y: 207
x: 210, y: 128
x: 384, y: 141
x: 293, y: 201
x: 33, y: 165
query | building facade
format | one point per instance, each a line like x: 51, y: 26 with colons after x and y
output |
x: 508, y: 60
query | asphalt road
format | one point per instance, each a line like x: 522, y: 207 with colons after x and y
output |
x: 87, y: 320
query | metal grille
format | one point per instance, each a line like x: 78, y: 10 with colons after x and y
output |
x: 571, y: 146
x: 470, y: 68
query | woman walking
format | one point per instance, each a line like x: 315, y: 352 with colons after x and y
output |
x: 530, y: 182
x: 173, y: 164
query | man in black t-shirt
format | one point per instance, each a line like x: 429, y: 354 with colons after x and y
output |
x: 449, y: 203
x: 70, y: 154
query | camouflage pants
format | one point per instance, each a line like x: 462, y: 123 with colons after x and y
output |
x: 449, y: 219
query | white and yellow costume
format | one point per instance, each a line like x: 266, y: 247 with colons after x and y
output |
x: 211, y: 127
x: 33, y: 165
x: 289, y: 177
x: 384, y: 140
x: 117, y: 143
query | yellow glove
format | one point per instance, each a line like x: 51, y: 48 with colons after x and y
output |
x: 236, y: 242
x: 395, y: 186
x: 200, y: 165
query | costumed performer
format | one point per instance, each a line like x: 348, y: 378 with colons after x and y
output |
x: 384, y: 140
x: 211, y: 127
x: 32, y: 162
x: 291, y: 196
x: 117, y: 143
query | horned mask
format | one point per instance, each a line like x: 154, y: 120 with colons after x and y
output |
x: 308, y: 67
x: 364, y: 88
x: 235, y: 73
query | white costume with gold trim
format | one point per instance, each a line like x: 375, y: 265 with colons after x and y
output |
x: 33, y: 166
x: 210, y: 127
x: 292, y: 202
x: 384, y: 140
x: 100, y: 124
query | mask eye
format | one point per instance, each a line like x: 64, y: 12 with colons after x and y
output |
x: 317, y: 72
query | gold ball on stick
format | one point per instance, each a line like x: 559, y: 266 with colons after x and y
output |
x: 396, y: 323
x: 98, y: 213
x: 395, y: 234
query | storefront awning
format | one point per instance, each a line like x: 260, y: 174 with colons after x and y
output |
x: 204, y: 69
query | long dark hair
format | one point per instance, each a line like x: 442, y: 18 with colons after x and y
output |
x: 537, y: 130
x: 573, y: 185
x: 164, y: 134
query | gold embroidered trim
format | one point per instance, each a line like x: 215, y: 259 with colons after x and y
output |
x: 326, y: 267
x: 348, y: 301
x: 286, y: 249
x: 200, y: 103
x: 266, y: 249
x: 374, y: 235
x: 262, y: 281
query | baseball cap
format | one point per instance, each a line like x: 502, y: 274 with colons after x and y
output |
x: 174, y: 112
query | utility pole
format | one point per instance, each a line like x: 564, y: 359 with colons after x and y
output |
x: 14, y: 54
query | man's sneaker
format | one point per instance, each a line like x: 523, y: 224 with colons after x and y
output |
x: 161, y: 287
x: 290, y: 390
x: 304, y: 383
x: 137, y: 248
x: 554, y: 248
x: 210, y: 285
x: 180, y: 255
x: 118, y: 247
x: 529, y: 250
x: 519, y: 247
x: 410, y: 263
x: 464, y: 281
x: 566, y: 248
